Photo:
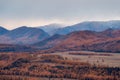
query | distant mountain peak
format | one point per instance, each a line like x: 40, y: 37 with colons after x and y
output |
x: 24, y: 27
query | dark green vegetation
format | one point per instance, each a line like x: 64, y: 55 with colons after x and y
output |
x: 16, y: 48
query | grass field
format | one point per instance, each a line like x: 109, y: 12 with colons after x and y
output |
x: 112, y: 59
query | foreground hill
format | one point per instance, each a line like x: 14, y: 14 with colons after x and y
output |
x: 23, y: 35
x: 108, y: 41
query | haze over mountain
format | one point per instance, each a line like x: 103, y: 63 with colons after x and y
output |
x: 91, y: 25
x: 51, y: 29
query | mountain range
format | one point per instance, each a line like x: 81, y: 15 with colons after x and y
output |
x: 88, y: 36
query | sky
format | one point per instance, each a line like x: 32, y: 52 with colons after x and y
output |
x: 16, y: 13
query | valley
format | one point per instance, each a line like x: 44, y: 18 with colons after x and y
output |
x: 59, y: 40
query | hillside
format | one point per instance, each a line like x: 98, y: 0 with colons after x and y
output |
x: 107, y: 41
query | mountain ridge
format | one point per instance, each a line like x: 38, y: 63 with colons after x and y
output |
x: 23, y: 35
x: 90, y: 25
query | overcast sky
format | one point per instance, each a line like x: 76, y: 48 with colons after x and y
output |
x: 16, y: 13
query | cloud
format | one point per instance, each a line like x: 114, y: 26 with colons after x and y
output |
x: 61, y: 10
